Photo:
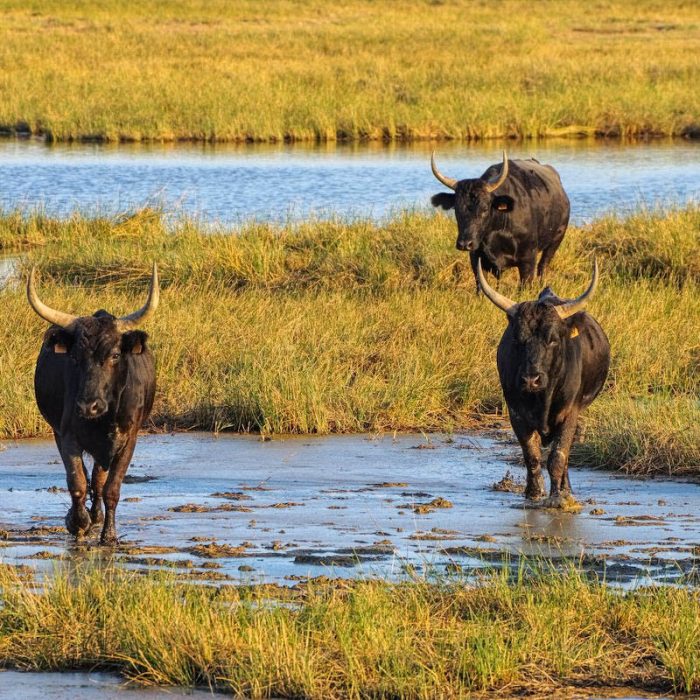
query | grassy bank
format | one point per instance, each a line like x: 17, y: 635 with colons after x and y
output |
x: 359, y: 69
x: 359, y: 640
x: 347, y: 327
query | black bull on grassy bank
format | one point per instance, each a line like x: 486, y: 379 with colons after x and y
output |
x: 552, y: 360
x: 509, y: 215
x: 95, y: 384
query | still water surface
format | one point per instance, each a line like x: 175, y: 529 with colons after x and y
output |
x: 231, y: 184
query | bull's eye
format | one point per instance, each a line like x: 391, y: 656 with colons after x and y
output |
x: 115, y: 356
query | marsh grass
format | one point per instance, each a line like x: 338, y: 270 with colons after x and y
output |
x: 355, y: 70
x: 327, y: 327
x: 534, y: 632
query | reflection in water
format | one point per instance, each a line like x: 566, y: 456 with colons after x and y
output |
x: 232, y: 184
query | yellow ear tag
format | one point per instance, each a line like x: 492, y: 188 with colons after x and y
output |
x: 574, y: 332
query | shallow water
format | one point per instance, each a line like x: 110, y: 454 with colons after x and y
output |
x: 82, y: 686
x: 345, y: 506
x: 231, y: 184
x: 85, y: 686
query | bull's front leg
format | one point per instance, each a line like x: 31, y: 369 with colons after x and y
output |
x: 97, y: 483
x: 558, y: 462
x: 112, y: 490
x: 77, y: 518
x: 532, y: 454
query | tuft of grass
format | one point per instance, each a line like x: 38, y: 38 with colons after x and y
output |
x: 362, y: 69
x: 332, y: 326
x: 355, y: 640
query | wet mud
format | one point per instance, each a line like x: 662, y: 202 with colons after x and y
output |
x: 239, y: 510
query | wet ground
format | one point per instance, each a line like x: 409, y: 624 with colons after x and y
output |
x: 83, y: 686
x: 238, y: 509
x: 107, y: 686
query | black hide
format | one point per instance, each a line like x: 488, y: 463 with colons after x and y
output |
x: 527, y: 215
x: 95, y: 386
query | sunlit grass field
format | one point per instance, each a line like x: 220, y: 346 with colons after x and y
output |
x: 361, y: 69
x: 538, y: 633
x: 324, y: 327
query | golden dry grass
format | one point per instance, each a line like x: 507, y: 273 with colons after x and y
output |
x: 360, y: 69
x: 537, y: 633
x: 338, y: 327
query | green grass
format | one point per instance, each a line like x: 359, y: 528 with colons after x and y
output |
x: 360, y: 69
x: 362, y: 639
x: 346, y: 327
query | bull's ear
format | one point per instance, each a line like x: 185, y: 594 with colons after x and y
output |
x: 444, y: 200
x: 134, y: 342
x: 58, y: 340
x: 503, y: 203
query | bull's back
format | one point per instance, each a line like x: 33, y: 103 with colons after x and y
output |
x: 542, y: 206
x: 139, y: 394
x: 595, y: 356
x: 49, y: 385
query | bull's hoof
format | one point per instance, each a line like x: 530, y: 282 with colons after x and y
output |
x: 109, y: 539
x: 534, y: 494
x: 78, y: 522
x: 564, y: 502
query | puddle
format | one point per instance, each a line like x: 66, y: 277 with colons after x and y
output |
x: 234, y: 508
x: 79, y: 686
x: 8, y: 267
x: 87, y: 686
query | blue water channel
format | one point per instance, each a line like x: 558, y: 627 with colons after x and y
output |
x: 231, y: 184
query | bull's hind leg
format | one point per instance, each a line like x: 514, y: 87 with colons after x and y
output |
x: 77, y: 518
x: 548, y: 252
x: 112, y: 490
x: 526, y: 269
x: 558, y: 463
x: 99, y: 476
x: 532, y: 453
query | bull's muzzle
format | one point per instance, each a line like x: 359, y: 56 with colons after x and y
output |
x: 92, y: 409
x: 533, y: 382
x: 466, y: 245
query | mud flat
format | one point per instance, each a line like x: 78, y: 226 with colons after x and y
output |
x: 238, y: 509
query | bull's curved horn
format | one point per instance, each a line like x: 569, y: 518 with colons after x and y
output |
x: 447, y: 181
x: 493, y: 186
x: 135, y: 319
x: 572, y: 306
x: 503, y: 303
x: 58, y: 318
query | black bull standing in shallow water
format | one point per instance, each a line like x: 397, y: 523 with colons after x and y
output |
x: 95, y: 384
x: 510, y: 214
x: 552, y: 361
